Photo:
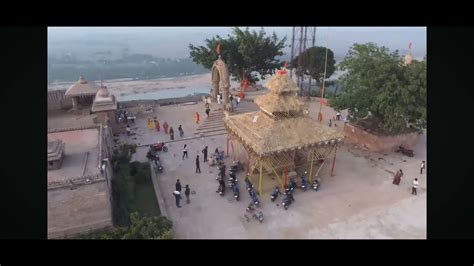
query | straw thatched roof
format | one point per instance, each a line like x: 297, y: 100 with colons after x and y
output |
x: 265, y: 135
x: 281, y: 97
x: 281, y: 125
x: 81, y: 88
x: 55, y: 150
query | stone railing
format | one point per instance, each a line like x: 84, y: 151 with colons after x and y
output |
x: 54, y: 130
x: 77, y: 181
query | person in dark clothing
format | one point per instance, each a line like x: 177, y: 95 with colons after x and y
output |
x: 207, y: 112
x: 171, y: 133
x: 186, y: 192
x: 398, y: 177
x: 222, y: 168
x: 185, y: 151
x: 205, y: 154
x: 198, y: 169
x: 177, y: 196
x: 181, y: 132
x: 178, y: 185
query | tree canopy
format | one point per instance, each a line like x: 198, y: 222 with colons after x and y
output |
x: 380, y: 92
x: 246, y: 53
x: 314, y: 59
x: 141, y: 227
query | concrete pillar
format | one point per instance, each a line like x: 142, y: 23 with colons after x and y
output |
x: 214, y: 90
x: 225, y: 95
x: 74, y: 103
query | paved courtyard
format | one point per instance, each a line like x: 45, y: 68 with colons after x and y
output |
x: 360, y: 201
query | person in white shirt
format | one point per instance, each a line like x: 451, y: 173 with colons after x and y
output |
x: 128, y: 130
x: 218, y: 99
x: 422, y: 166
x: 414, y: 186
x: 185, y: 151
x: 238, y: 100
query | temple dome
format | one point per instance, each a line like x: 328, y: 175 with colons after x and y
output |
x: 103, y: 92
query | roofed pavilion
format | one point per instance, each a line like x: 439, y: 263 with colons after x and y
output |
x: 82, y: 91
x: 281, y: 129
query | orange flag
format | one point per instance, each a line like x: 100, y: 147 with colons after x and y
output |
x: 323, y: 101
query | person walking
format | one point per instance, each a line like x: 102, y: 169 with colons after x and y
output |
x: 238, y: 100
x: 165, y: 127
x: 185, y: 151
x: 181, y: 132
x: 157, y: 125
x: 150, y: 123
x: 207, y: 112
x: 422, y: 167
x: 198, y: 169
x: 196, y: 118
x: 205, y: 154
x: 177, y: 196
x: 398, y: 177
x: 414, y: 186
x: 330, y: 122
x: 178, y: 185
x: 186, y: 192
x: 219, y: 98
x: 128, y: 130
x: 171, y: 133
x: 338, y: 116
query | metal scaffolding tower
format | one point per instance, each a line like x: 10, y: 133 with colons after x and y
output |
x: 298, y: 46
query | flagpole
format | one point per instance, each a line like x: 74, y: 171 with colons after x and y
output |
x: 324, y: 77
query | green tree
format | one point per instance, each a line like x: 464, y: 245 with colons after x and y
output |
x: 141, y: 227
x: 380, y: 92
x: 246, y: 53
x: 313, y: 61
x: 148, y: 227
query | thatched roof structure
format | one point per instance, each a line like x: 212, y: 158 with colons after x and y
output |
x: 55, y: 150
x: 282, y: 124
x: 82, y: 88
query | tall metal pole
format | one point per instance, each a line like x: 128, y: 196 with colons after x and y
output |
x: 292, y: 53
x: 324, y: 76
x: 300, y: 59
x: 333, y: 161
x: 303, y: 66
x: 311, y: 63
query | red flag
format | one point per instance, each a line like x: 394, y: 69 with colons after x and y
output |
x: 409, y: 46
x: 218, y: 48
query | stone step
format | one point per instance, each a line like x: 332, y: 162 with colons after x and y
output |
x: 210, y: 128
x: 210, y: 131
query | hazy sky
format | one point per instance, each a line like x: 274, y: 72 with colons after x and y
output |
x: 172, y: 42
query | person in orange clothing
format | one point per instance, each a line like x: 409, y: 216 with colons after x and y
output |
x: 165, y: 126
x: 197, y: 118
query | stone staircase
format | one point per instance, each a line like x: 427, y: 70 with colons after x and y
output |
x: 214, y: 125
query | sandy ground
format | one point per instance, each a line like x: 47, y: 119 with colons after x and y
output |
x: 121, y: 87
x: 360, y: 201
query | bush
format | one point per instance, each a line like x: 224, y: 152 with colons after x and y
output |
x: 141, y: 227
